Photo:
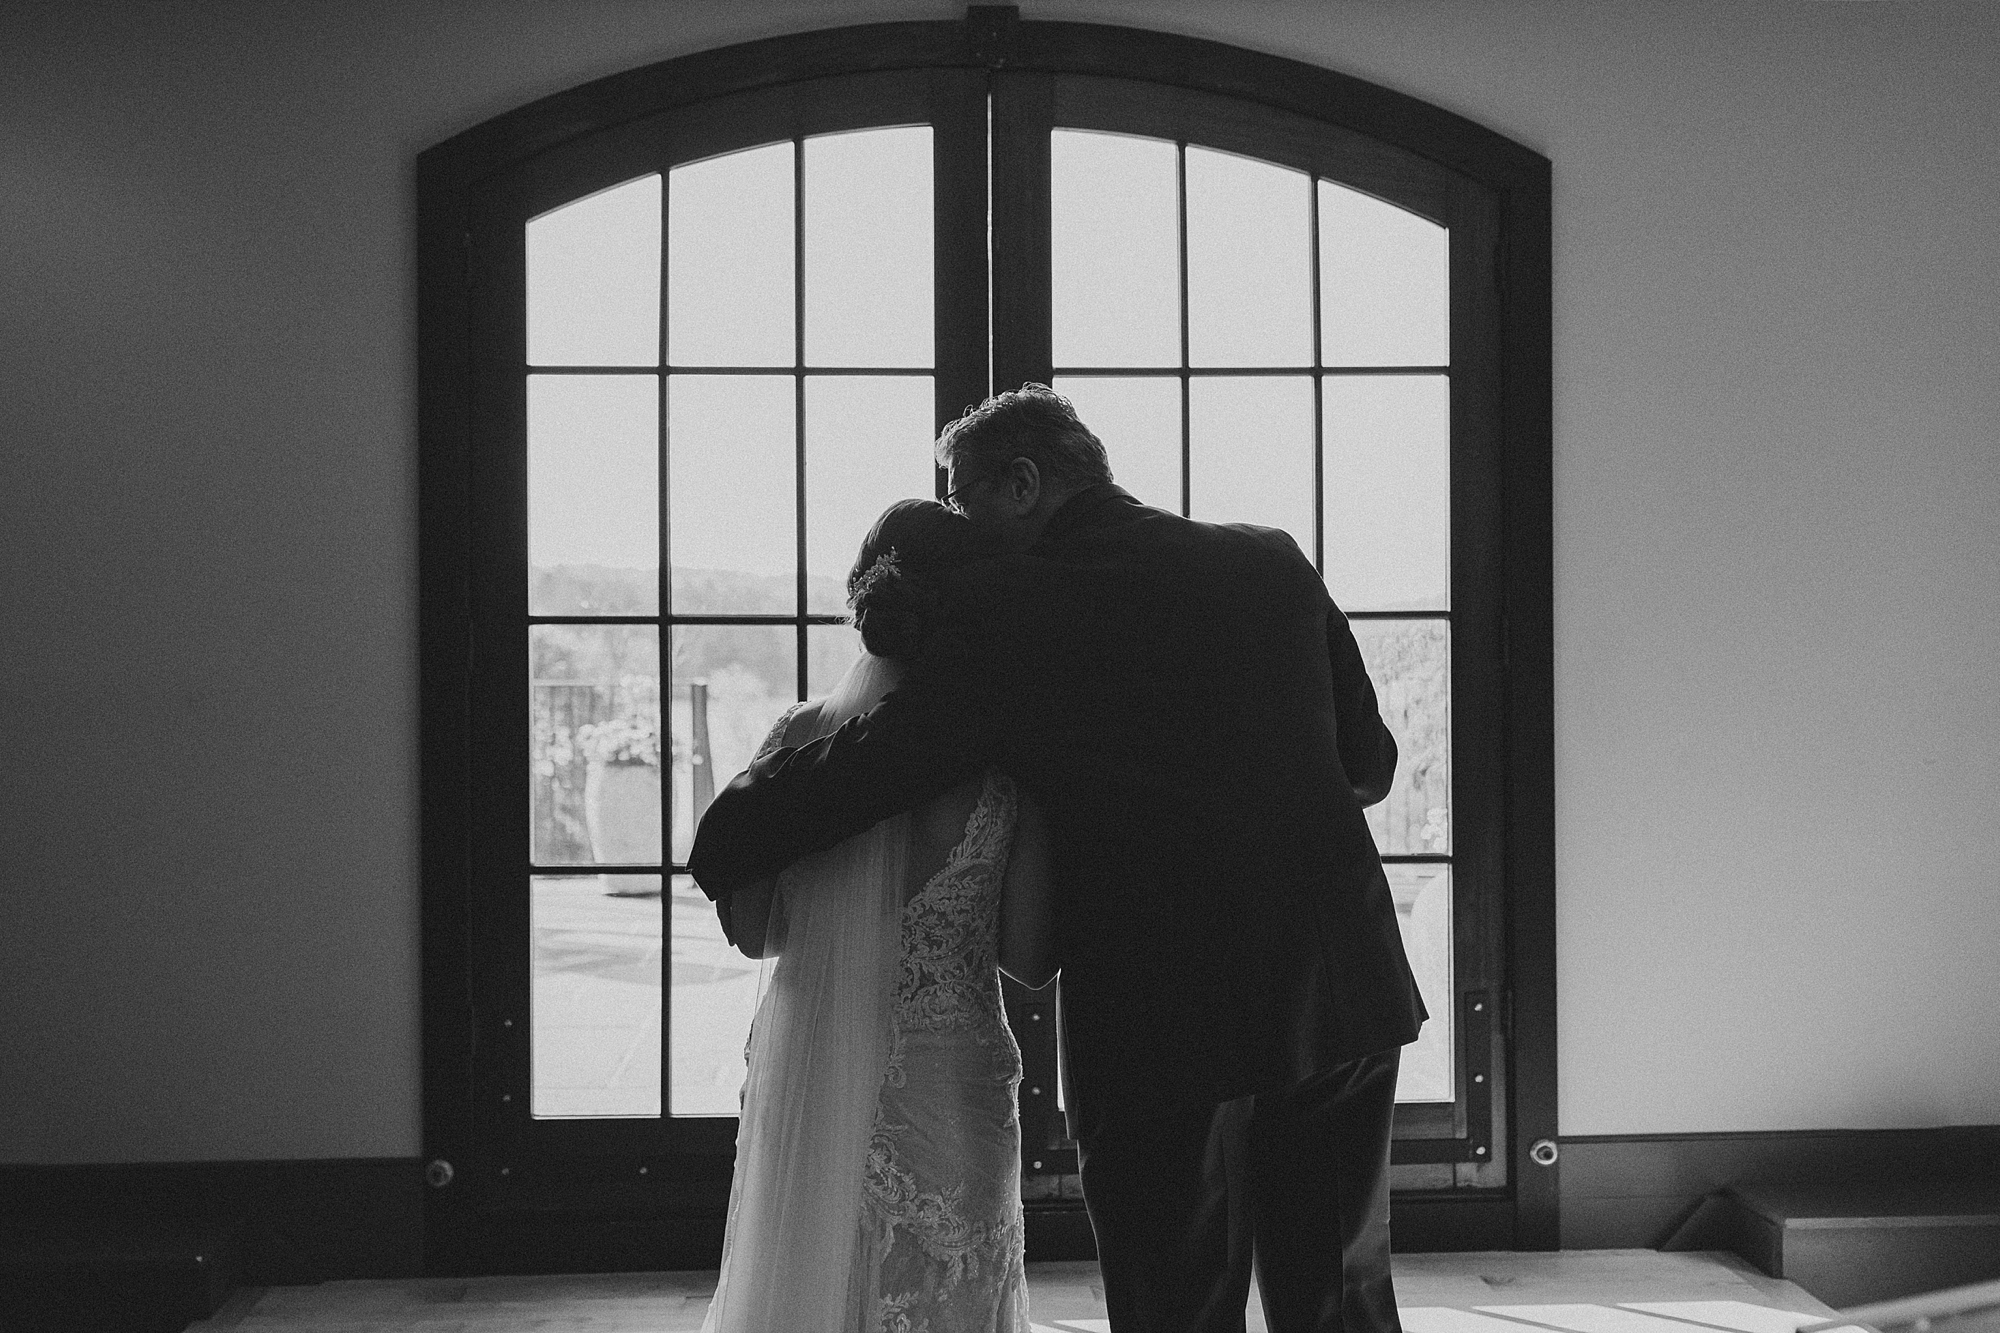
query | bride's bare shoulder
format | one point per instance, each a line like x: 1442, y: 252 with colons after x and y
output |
x: 801, y: 722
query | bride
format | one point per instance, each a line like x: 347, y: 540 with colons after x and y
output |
x: 877, y: 1183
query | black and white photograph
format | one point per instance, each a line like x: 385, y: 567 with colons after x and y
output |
x: 886, y: 666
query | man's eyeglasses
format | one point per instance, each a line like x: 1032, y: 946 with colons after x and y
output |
x: 951, y: 501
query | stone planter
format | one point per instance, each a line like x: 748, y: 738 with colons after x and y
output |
x: 621, y: 804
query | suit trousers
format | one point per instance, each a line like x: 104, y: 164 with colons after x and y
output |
x: 1185, y: 1198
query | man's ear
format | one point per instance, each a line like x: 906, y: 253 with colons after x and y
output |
x: 1024, y: 485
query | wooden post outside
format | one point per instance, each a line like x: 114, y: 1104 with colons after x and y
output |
x: 700, y: 763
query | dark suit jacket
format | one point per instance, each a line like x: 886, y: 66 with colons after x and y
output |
x: 1191, y: 710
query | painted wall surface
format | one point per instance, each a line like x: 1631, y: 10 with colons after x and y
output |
x: 1777, y: 549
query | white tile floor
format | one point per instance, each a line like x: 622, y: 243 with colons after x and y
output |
x: 1588, y: 1291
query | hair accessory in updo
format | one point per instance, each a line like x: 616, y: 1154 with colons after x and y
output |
x: 894, y: 608
x: 893, y: 589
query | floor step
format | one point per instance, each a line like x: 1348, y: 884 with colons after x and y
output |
x: 112, y: 1277
x: 1856, y: 1242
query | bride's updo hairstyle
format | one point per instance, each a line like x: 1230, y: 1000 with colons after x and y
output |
x: 893, y: 587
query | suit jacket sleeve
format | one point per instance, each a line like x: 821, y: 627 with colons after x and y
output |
x: 1367, y: 750
x: 928, y: 736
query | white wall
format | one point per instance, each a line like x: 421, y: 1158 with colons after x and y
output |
x: 1777, y: 568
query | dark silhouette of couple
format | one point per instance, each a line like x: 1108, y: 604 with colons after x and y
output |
x: 1091, y: 735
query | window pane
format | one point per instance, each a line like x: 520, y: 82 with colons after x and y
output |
x: 1388, y: 491
x: 1410, y: 663
x: 594, y: 996
x: 1116, y: 250
x: 729, y: 260
x: 1422, y: 894
x: 868, y: 443
x: 1139, y: 421
x: 1249, y: 262
x: 593, y: 495
x: 594, y: 744
x: 594, y: 279
x: 1385, y: 283
x: 730, y: 683
x: 733, y: 493
x: 1250, y: 452
x: 868, y: 248
x: 830, y: 651
x: 715, y: 996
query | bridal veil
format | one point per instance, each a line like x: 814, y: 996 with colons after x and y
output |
x: 819, y: 1047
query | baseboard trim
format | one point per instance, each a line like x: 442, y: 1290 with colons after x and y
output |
x: 294, y: 1222
x: 300, y: 1222
x: 329, y: 1219
x: 1633, y: 1191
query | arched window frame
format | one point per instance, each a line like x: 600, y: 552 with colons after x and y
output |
x: 1284, y: 108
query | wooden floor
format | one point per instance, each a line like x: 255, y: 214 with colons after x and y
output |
x: 1588, y: 1291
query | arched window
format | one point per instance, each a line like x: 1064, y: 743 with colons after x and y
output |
x: 686, y: 331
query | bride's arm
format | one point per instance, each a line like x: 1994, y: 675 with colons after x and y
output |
x: 1027, y: 908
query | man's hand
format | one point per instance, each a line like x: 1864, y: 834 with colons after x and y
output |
x: 746, y: 918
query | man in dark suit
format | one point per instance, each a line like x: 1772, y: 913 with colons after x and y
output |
x: 1191, y: 711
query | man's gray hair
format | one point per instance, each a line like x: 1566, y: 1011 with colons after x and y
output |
x: 1033, y: 422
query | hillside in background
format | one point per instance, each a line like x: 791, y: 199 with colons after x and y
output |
x: 606, y: 590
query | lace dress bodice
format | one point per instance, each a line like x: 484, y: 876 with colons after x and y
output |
x: 950, y: 975
x: 941, y: 1212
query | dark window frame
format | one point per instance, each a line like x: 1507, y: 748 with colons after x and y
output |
x: 599, y: 1210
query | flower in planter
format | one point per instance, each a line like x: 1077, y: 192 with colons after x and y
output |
x: 621, y: 740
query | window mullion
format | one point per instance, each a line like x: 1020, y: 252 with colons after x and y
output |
x: 962, y: 178
x: 663, y: 573
x: 799, y: 400
x: 1319, y: 384
x: 1023, y: 115
x: 1180, y: 215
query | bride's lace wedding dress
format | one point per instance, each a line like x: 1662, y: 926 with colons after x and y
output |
x: 941, y: 1242
x: 879, y: 1155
